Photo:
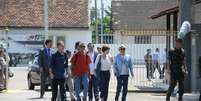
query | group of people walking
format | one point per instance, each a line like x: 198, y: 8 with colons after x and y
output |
x: 89, y: 71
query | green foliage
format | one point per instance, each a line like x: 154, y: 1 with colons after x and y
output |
x: 107, y: 20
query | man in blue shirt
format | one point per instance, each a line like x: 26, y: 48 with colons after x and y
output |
x: 122, y: 66
x: 156, y: 64
x: 57, y: 71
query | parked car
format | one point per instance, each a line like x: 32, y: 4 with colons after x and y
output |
x: 33, y: 76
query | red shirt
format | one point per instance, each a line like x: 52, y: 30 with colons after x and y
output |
x: 80, y: 63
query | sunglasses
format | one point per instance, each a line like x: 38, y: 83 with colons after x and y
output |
x: 82, y: 46
x: 122, y: 49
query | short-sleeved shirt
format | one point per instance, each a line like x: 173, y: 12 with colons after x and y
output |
x: 58, y: 65
x: 80, y: 63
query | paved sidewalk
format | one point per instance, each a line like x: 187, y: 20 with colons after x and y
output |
x: 18, y: 92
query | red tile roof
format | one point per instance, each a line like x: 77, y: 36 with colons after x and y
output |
x: 30, y: 13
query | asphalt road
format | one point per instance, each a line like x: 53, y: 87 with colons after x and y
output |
x: 18, y: 91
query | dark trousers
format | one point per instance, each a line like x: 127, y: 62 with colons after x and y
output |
x: 173, y: 83
x: 104, y: 84
x: 122, y: 80
x: 157, y: 66
x: 44, y: 76
x: 93, y: 88
x: 200, y: 96
x: 149, y: 70
x: 55, y: 84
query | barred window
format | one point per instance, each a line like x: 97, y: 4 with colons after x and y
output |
x: 142, y: 39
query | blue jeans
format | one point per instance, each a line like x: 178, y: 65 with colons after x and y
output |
x: 122, y: 80
x: 93, y: 88
x: 104, y: 84
x: 81, y: 81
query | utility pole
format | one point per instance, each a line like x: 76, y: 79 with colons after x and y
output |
x: 46, y: 23
x: 96, y: 23
x: 102, y: 16
x: 185, y: 15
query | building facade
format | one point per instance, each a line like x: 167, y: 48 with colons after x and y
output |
x: 22, y: 23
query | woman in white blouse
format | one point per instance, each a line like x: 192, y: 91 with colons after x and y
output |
x: 105, y: 61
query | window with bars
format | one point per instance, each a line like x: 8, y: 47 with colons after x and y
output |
x: 142, y: 39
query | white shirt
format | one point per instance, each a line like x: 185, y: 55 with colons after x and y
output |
x: 106, y: 63
x: 124, y: 70
x: 92, y: 64
x: 156, y: 56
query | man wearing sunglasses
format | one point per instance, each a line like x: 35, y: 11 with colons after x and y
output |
x: 80, y: 70
x: 122, y: 66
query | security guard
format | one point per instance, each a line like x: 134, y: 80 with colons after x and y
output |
x: 177, y: 69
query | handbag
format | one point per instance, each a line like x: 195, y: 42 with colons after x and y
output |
x: 98, y: 67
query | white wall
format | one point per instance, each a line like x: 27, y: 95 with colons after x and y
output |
x: 71, y: 36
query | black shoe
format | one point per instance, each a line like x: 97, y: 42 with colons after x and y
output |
x: 180, y: 99
x: 167, y: 99
x: 84, y: 99
x: 73, y: 100
x: 149, y: 79
x: 41, y: 96
x: 97, y: 99
x: 116, y: 99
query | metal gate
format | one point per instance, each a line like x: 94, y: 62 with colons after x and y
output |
x: 138, y: 43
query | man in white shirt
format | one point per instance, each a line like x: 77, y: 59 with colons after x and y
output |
x: 93, y: 81
x: 156, y: 64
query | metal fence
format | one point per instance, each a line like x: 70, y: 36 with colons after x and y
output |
x: 137, y: 44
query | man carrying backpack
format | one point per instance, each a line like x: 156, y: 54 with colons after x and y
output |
x: 80, y: 70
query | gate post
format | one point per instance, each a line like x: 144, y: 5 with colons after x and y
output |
x: 193, y: 63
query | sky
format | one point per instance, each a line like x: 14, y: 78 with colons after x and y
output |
x: 106, y: 3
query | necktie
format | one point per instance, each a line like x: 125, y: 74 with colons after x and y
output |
x: 48, y: 53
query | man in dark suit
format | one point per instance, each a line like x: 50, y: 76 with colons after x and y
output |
x: 44, y: 64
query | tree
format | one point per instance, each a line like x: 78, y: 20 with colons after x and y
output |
x: 107, y: 22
